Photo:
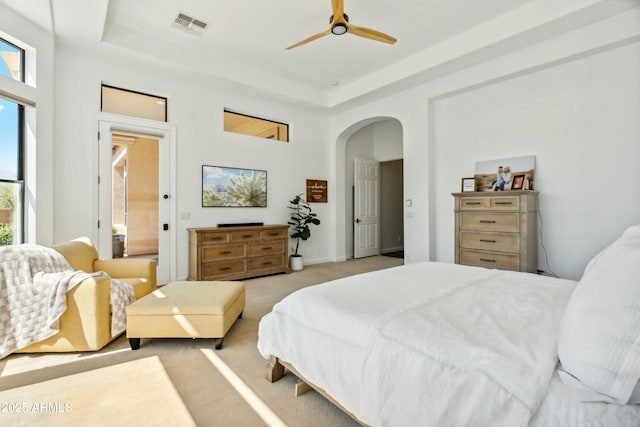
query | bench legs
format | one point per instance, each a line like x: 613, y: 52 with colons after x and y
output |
x: 134, y: 343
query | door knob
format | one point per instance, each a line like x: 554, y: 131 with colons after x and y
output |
x: 357, y: 220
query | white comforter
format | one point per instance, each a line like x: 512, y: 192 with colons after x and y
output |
x: 425, y: 344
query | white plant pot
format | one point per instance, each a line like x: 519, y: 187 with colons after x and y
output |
x: 296, y: 262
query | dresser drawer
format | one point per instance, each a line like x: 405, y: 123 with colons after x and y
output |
x: 490, y: 260
x: 220, y: 268
x: 266, y: 262
x: 274, y: 234
x: 214, y: 237
x: 222, y: 252
x: 494, y: 203
x: 490, y: 222
x: 509, y: 203
x: 470, y: 203
x: 500, y: 242
x: 245, y: 236
x: 265, y: 248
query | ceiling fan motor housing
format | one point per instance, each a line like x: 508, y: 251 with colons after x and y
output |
x: 339, y: 29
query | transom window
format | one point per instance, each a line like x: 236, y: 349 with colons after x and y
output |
x: 12, y: 64
x: 255, y: 126
x: 131, y: 103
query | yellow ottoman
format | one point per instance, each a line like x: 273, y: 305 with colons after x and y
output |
x: 186, y: 310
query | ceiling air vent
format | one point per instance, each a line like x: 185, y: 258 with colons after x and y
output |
x: 189, y: 24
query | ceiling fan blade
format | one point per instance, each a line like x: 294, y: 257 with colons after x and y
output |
x: 370, y: 34
x: 312, y: 38
x: 337, y: 6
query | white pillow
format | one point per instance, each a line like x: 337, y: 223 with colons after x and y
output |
x: 599, y: 340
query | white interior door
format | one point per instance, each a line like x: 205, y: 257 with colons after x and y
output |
x: 165, y: 134
x: 366, y: 209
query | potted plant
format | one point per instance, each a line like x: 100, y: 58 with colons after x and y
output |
x: 117, y: 243
x: 300, y: 218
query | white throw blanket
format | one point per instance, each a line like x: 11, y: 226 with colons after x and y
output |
x: 34, y: 281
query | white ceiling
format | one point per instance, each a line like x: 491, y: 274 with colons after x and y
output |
x: 246, y: 39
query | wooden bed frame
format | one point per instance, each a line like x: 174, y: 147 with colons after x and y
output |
x: 276, y: 370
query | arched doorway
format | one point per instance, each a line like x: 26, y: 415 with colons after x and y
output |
x: 379, y: 140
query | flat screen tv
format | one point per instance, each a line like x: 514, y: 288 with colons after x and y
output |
x: 233, y: 187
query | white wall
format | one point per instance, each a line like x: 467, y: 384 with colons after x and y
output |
x: 195, y: 107
x: 580, y: 120
x: 573, y: 101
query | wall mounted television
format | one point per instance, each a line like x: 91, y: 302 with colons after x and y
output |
x: 233, y: 187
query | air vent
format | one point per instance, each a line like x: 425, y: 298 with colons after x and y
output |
x: 189, y: 24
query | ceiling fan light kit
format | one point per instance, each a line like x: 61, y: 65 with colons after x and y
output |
x: 339, y: 29
x: 339, y: 25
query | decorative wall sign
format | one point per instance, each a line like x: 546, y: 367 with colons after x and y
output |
x: 316, y: 191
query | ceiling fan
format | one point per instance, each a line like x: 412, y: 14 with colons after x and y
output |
x: 339, y: 24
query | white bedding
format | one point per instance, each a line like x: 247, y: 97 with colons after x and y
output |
x: 426, y: 343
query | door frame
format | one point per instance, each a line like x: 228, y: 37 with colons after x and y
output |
x: 165, y: 133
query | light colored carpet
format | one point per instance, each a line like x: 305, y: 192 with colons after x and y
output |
x: 174, y: 382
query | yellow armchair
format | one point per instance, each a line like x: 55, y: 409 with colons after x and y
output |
x: 86, y: 324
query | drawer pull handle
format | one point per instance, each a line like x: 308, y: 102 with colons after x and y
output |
x: 267, y: 263
x: 487, y: 221
x: 247, y: 236
x: 487, y: 241
x: 474, y: 203
x: 487, y: 260
x: 225, y: 252
x: 225, y: 268
x: 267, y: 248
x: 274, y: 234
x: 504, y: 203
x: 216, y: 238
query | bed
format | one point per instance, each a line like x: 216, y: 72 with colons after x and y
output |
x: 443, y: 344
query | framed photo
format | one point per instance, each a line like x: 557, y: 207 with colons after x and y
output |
x: 518, y: 182
x: 498, y: 175
x: 233, y: 187
x: 468, y: 185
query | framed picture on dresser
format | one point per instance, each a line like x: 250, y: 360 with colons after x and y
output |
x: 468, y: 185
x: 500, y: 174
x: 518, y: 182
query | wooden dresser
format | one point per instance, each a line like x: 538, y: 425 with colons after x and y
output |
x: 231, y: 253
x: 497, y: 229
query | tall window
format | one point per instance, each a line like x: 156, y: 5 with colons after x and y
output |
x: 11, y: 150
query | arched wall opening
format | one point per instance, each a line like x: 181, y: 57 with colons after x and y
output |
x: 379, y: 139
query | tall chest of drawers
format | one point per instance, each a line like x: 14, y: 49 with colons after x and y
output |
x: 497, y: 230
x: 231, y: 253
